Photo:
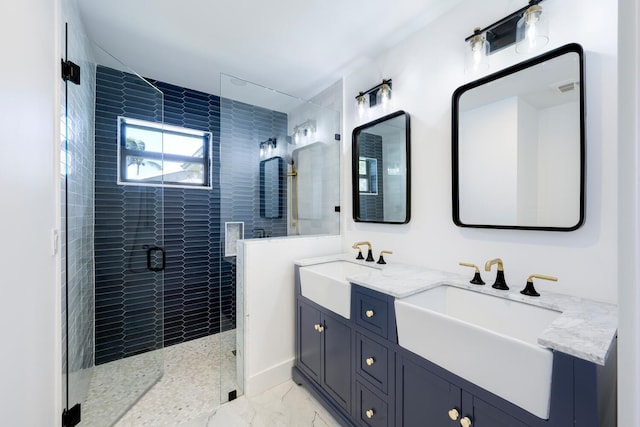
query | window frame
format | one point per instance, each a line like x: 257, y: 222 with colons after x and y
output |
x: 371, y: 164
x: 123, y: 152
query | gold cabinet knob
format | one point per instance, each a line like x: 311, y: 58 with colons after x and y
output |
x: 465, y: 422
x: 316, y: 327
x: 369, y: 313
x: 454, y: 414
x: 370, y: 361
x: 320, y: 328
x: 370, y: 413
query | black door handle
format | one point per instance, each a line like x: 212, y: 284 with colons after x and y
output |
x: 150, y: 251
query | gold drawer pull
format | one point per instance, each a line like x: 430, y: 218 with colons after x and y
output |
x: 454, y: 414
x: 465, y: 422
x: 369, y: 313
x: 318, y: 328
x: 370, y: 413
x: 370, y: 361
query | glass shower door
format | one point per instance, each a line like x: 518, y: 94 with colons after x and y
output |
x: 113, y: 238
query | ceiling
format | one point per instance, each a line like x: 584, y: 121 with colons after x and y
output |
x: 297, y: 47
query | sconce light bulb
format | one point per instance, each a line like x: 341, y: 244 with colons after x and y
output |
x: 261, y: 151
x: 385, y: 94
x: 269, y: 149
x: 361, y: 103
x: 476, y: 57
x: 531, y: 30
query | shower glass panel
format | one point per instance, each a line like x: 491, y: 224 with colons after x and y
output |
x: 77, y: 256
x: 113, y: 241
x: 260, y: 127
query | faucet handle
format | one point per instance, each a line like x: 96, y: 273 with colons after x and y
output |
x: 530, y: 290
x: 477, y: 280
x: 381, y: 259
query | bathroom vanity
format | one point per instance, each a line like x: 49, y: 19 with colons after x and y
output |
x: 367, y: 365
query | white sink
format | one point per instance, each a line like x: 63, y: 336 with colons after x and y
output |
x: 487, y: 340
x: 326, y: 284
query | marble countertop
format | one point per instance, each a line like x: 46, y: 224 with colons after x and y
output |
x: 586, y: 329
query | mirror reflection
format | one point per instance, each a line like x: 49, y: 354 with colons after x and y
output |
x: 271, y: 187
x: 518, y: 146
x: 381, y: 170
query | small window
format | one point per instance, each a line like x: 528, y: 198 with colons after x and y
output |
x: 155, y: 154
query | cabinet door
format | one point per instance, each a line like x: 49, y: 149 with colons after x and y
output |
x: 424, y: 399
x: 485, y: 415
x: 309, y: 340
x: 337, y: 360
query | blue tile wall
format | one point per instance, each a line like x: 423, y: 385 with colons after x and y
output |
x: 372, y: 207
x: 243, y: 127
x: 128, y: 297
x: 199, y: 282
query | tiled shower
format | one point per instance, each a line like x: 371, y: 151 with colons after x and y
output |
x: 119, y: 310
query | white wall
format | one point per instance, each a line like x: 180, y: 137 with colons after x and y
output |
x: 557, y: 160
x: 629, y: 215
x: 426, y: 69
x: 30, y: 306
x: 477, y: 157
x: 527, y: 193
x: 267, y: 305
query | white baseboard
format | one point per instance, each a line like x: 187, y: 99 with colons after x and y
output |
x: 269, y: 378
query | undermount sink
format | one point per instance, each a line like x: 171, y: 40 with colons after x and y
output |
x: 488, y: 340
x: 326, y: 284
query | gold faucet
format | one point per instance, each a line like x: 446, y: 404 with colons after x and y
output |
x: 500, y: 283
x: 369, y: 252
x: 357, y: 244
x: 487, y: 266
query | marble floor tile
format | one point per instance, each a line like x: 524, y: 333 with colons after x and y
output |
x: 191, y: 393
x: 284, y: 405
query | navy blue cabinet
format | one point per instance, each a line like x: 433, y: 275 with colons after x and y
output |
x: 356, y: 368
x: 309, y: 341
x: 423, y: 398
x: 324, y: 352
x: 426, y: 399
x: 336, y: 356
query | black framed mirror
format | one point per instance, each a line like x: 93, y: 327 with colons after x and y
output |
x: 272, y: 187
x: 381, y: 170
x: 518, y: 146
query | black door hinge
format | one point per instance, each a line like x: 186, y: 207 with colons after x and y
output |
x: 336, y: 137
x: 71, y: 417
x: 70, y: 72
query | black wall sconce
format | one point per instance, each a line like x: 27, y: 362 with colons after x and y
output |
x: 379, y: 94
x: 527, y: 28
x: 267, y: 147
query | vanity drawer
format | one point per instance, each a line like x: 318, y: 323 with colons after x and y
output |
x: 371, y: 409
x: 372, y: 313
x: 372, y: 362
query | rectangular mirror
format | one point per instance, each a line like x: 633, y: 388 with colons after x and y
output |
x: 271, y: 187
x: 381, y: 170
x: 518, y: 147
